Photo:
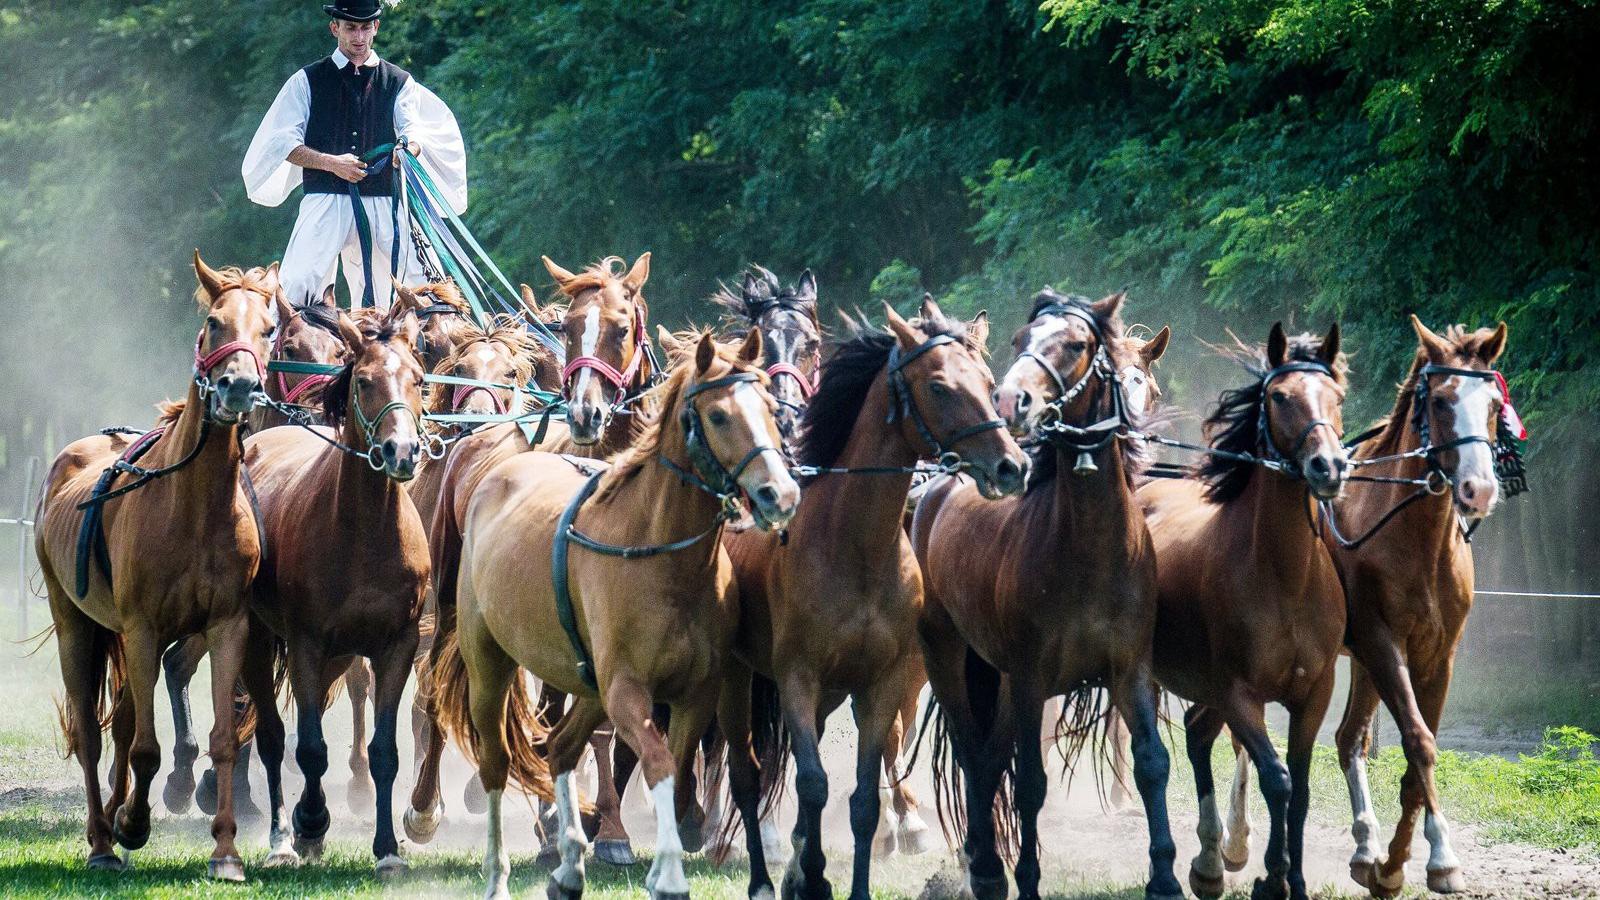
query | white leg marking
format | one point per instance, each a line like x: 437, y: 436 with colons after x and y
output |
x: 1237, y: 836
x: 1209, y: 829
x: 496, y: 861
x: 570, y: 840
x: 1441, y: 855
x: 666, y: 874
x: 1363, y: 823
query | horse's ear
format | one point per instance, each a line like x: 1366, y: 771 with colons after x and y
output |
x: 280, y: 302
x: 1437, y: 348
x: 750, y: 351
x: 531, y: 303
x: 705, y: 354
x: 1108, y: 306
x: 750, y: 287
x: 1156, y: 346
x: 674, y: 347
x: 330, y: 297
x: 408, y: 327
x: 1329, y: 351
x: 930, y: 311
x: 209, y: 278
x: 351, y: 334
x: 271, y: 278
x: 978, y: 331
x: 805, y: 290
x: 903, y: 332
x: 1277, y: 346
x: 405, y: 298
x: 1490, y: 350
x: 562, y: 276
x: 638, y: 275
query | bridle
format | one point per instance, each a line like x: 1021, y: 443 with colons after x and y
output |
x: 903, y: 404
x: 620, y: 379
x: 204, y: 363
x: 317, y: 375
x: 808, y: 386
x: 423, y: 314
x: 1085, y: 439
x: 432, y: 444
x: 705, y: 471
x: 1266, y: 445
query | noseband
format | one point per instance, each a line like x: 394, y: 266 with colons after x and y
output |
x: 902, y: 404
x: 315, y: 378
x: 808, y: 386
x: 1267, y: 448
x: 619, y: 379
x: 204, y: 363
x: 1507, y: 456
x: 369, y: 427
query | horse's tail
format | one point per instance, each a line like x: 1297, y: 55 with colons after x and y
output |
x: 769, y: 742
x: 1084, y: 724
x: 522, y: 731
x: 949, y: 793
x: 111, y: 649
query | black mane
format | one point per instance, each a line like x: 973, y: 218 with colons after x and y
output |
x: 317, y: 313
x: 769, y: 293
x: 1235, y: 425
x: 336, y: 396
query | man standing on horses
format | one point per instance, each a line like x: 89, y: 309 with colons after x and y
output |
x: 328, y: 129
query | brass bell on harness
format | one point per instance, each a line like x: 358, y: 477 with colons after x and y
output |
x: 1085, y: 464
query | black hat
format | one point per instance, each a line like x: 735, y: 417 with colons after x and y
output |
x: 354, y: 10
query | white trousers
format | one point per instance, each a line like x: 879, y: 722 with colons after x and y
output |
x: 325, y: 232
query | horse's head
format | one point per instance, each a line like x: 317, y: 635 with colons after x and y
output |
x: 241, y: 323
x: 502, y: 358
x: 790, y: 332
x: 443, y: 316
x: 943, y: 401
x: 606, y: 343
x: 1066, y: 342
x: 1458, y: 402
x: 1136, y: 358
x: 1302, y: 408
x: 546, y: 365
x: 729, y: 430
x: 308, y: 332
x: 378, y: 396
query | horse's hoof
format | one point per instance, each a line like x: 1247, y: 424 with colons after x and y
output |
x: 178, y: 794
x: 616, y: 853
x: 420, y: 827
x: 988, y: 887
x: 392, y: 868
x: 108, y: 862
x: 1386, y: 886
x: 473, y: 798
x: 883, y: 844
x: 1205, y: 886
x: 1269, y: 888
x: 794, y: 889
x: 692, y: 835
x: 1153, y: 893
x: 549, y: 855
x: 361, y: 796
x: 205, y: 795
x: 281, y: 858
x: 1237, y: 862
x: 917, y: 841
x: 309, y: 848
x: 225, y: 868
x: 309, y: 825
x: 1446, y: 881
x: 554, y: 890
x: 128, y: 836
x: 668, y: 895
x: 1363, y: 872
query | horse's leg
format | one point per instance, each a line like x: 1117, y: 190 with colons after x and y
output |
x: 549, y: 707
x: 1201, y: 725
x: 989, y: 753
x: 389, y: 674
x: 1031, y: 784
x: 802, y: 701
x: 358, y: 686
x: 122, y: 721
x: 875, y: 711
x: 1303, y: 725
x: 426, y: 810
x: 227, y: 640
x: 713, y: 776
x: 81, y: 651
x: 489, y: 675
x: 130, y: 823
x: 1135, y: 698
x: 628, y: 702
x: 886, y: 837
x: 257, y: 678
x: 686, y: 725
x: 1353, y: 740
x: 744, y: 775
x: 1117, y: 738
x: 611, y: 841
x: 1444, y: 869
x: 913, y: 836
x: 309, y: 679
x: 1246, y: 719
x: 179, y: 664
x: 1236, y: 837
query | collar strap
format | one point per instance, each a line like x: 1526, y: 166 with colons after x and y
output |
x: 808, y: 386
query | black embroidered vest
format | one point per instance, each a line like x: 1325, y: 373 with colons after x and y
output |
x: 351, y: 113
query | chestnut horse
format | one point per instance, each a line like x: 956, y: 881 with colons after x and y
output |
x: 140, y: 595
x: 1250, y: 606
x: 344, y: 573
x: 443, y: 315
x: 654, y: 627
x: 1405, y: 615
x: 307, y: 339
x: 1000, y: 618
x: 828, y: 618
x: 603, y: 331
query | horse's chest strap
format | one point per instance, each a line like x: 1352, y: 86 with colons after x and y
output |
x: 563, y: 588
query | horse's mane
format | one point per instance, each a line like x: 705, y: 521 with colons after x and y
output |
x: 596, y: 276
x: 504, y: 329
x: 234, y: 278
x: 769, y: 293
x: 857, y: 359
x: 656, y: 404
x: 1235, y: 425
x: 168, y: 411
x: 336, y: 396
x: 445, y: 292
x: 1135, y: 453
x: 317, y: 313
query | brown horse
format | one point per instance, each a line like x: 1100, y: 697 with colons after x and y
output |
x: 443, y: 316
x: 1251, y: 610
x: 715, y: 441
x: 308, y: 333
x: 827, y: 618
x: 346, y: 566
x: 1409, y: 587
x: 602, y: 329
x: 1002, y: 629
x: 140, y: 598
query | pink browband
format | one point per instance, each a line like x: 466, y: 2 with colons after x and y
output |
x: 808, y: 386
x: 204, y: 364
x: 618, y: 379
x: 463, y: 391
x: 307, y: 383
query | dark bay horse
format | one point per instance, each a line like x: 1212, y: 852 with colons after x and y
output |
x: 346, y: 566
x: 655, y: 628
x: 1050, y: 593
x: 1250, y: 607
x: 139, y: 596
x: 308, y: 334
x: 828, y: 618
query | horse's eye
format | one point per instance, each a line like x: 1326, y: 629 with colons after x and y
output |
x: 460, y: 371
x: 213, y: 323
x: 1441, y: 406
x: 939, y: 388
x: 718, y: 418
x: 269, y: 332
x: 1279, y: 397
